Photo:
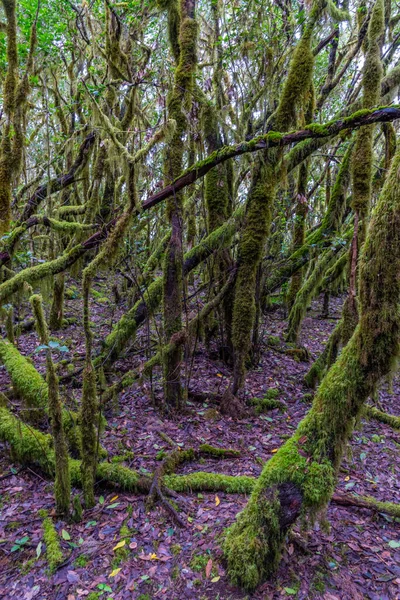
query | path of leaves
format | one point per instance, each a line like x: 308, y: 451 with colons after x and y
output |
x: 358, y: 558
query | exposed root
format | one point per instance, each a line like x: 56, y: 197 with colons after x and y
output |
x: 389, y: 508
x: 155, y: 494
x: 383, y: 417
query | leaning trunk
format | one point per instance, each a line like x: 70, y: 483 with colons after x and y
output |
x: 304, y: 469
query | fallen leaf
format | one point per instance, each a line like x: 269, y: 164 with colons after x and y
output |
x: 120, y: 544
x: 215, y: 579
x: 274, y: 450
x: 65, y: 535
x: 208, y: 568
x: 217, y: 501
x: 114, y: 573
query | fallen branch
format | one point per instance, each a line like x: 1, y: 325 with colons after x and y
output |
x: 389, y: 508
x: 30, y: 446
x: 383, y: 417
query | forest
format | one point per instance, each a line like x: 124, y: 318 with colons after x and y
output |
x: 199, y: 299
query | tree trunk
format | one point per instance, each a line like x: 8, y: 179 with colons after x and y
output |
x: 306, y: 465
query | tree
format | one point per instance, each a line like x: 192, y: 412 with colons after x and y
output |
x: 207, y: 159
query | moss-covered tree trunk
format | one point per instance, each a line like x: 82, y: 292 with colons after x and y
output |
x: 362, y: 160
x: 216, y: 195
x: 299, y: 230
x: 251, y: 245
x: 301, y: 476
x: 62, y: 487
x: 295, y: 95
x: 185, y: 55
x: 361, y: 179
x: 9, y: 106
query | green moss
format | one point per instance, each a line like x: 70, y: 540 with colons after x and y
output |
x: 88, y: 434
x: 72, y: 292
x: 38, y: 273
x: 10, y: 325
x: 199, y: 564
x: 297, y: 85
x: 317, y: 128
x: 176, y: 549
x: 128, y: 455
x: 263, y: 405
x: 28, y: 565
x: 54, y: 553
x: 336, y: 13
x: 218, y: 452
x: 201, y: 481
x: 82, y: 560
x: 33, y: 389
x: 383, y: 417
x: 27, y: 382
x: 121, y: 554
x: 372, y: 75
x: 251, y: 245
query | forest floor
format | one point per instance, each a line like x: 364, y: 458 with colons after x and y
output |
x: 359, y: 557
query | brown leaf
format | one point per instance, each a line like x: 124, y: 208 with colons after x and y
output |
x: 208, y: 568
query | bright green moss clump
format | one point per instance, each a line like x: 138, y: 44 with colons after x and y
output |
x: 54, y: 553
x: 263, y: 405
x: 218, y: 452
x: 198, y: 482
x: 33, y: 389
x: 27, y: 382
